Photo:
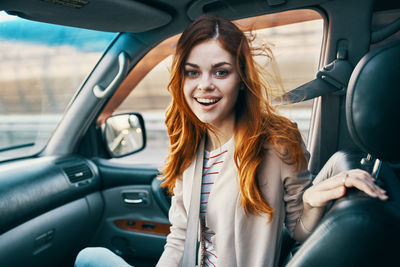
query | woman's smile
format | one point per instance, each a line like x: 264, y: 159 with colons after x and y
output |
x: 207, y: 101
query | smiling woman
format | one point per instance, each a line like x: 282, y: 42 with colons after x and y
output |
x: 221, y: 125
x: 212, y: 86
x: 220, y: 111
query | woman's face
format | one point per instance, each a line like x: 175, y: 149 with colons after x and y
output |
x: 211, y: 84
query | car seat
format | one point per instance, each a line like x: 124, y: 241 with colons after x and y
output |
x: 359, y: 230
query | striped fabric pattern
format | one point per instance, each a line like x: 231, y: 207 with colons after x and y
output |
x: 212, y: 165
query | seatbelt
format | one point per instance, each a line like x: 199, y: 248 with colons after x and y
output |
x: 333, y: 78
x: 192, y: 227
x: 307, y: 91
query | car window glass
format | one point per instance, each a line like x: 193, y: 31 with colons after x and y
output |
x: 42, y: 66
x: 296, y: 48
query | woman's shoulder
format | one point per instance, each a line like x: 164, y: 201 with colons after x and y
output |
x: 273, y: 156
x: 275, y: 150
x: 271, y: 167
x: 283, y: 153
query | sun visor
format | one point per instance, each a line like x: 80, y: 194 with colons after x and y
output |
x: 102, y: 15
x: 235, y: 9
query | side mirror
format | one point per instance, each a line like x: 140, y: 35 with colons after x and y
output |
x: 124, y: 134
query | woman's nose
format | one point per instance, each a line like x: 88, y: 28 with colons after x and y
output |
x: 206, y: 87
x: 205, y: 84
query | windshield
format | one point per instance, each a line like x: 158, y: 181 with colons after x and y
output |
x: 41, y: 67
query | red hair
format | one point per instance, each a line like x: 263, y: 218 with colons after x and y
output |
x: 256, y: 121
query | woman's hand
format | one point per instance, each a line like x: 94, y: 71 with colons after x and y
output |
x: 318, y: 195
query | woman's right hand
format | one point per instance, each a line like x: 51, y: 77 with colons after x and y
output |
x: 319, y: 195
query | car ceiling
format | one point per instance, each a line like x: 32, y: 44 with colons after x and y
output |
x: 141, y: 16
x: 153, y: 20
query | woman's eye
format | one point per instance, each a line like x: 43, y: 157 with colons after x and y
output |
x: 221, y: 73
x: 191, y: 73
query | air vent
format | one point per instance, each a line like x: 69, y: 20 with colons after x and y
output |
x: 78, y: 172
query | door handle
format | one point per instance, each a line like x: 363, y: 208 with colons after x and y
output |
x: 136, y: 197
x: 134, y: 201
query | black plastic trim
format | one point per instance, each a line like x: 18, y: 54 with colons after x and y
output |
x: 118, y: 174
x: 32, y: 187
x: 161, y: 196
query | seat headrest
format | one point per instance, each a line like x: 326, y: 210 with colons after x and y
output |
x: 373, y: 103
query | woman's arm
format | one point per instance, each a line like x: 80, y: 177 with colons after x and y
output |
x: 316, y: 197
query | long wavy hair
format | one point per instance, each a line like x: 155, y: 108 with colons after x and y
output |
x: 256, y: 121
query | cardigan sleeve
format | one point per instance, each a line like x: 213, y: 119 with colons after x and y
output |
x: 294, y: 185
x: 173, y: 250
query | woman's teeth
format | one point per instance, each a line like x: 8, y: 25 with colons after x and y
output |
x: 207, y: 101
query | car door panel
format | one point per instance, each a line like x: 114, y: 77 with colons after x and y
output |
x: 135, y: 222
x: 50, y: 239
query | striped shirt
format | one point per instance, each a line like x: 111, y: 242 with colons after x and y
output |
x: 211, y: 167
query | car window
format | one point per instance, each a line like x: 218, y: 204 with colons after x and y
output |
x: 296, y: 48
x: 42, y: 66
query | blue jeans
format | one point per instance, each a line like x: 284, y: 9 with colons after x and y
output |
x: 99, y: 257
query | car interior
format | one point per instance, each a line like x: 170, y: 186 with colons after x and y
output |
x: 94, y: 182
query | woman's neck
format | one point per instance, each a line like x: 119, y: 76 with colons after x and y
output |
x: 215, y: 140
x: 222, y: 132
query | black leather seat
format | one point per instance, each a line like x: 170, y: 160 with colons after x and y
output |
x: 359, y: 230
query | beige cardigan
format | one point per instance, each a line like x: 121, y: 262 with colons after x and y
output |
x: 240, y: 240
